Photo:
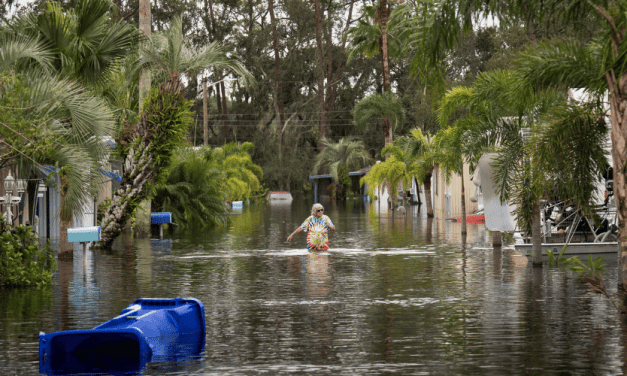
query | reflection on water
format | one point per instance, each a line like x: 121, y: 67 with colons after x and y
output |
x: 394, y: 295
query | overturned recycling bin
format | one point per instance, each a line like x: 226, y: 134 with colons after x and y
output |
x: 148, y: 330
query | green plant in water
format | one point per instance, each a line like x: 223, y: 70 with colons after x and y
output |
x: 555, y: 260
x: 22, y: 262
x: 590, y: 273
x: 591, y: 270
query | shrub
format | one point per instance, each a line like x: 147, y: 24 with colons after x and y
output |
x: 22, y: 262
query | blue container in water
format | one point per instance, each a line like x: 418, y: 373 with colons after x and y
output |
x: 148, y: 330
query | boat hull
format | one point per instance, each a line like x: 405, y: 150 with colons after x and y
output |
x: 609, y: 250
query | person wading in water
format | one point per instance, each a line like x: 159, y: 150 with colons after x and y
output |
x: 317, y: 226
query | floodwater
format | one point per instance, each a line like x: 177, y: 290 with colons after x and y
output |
x: 393, y: 296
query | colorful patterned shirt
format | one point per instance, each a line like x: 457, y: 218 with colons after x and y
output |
x: 317, y: 232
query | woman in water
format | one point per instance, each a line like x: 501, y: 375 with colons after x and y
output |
x: 317, y: 226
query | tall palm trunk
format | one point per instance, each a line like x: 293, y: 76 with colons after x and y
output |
x: 145, y: 25
x: 205, y: 117
x: 66, y: 249
x: 464, y: 225
x: 427, y: 184
x: 331, y: 75
x: 225, y: 114
x: 383, y: 15
x: 536, y: 234
x: 141, y: 164
x: 324, y: 129
x: 618, y: 114
x: 278, y: 86
x: 142, y: 223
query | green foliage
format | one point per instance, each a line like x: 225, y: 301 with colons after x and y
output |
x: 377, y: 106
x: 169, y: 118
x: 338, y: 159
x: 393, y: 172
x: 170, y: 52
x: 102, y: 208
x: 239, y: 176
x: 590, y: 273
x: 192, y: 191
x: 22, y: 262
x: 553, y: 259
x: 83, y: 42
x: 569, y: 146
x: 200, y: 181
x: 420, y: 151
x: 593, y: 268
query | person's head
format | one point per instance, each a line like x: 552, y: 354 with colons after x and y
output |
x: 317, y: 209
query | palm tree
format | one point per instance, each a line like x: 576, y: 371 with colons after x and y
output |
x: 501, y: 107
x: 451, y: 159
x: 148, y: 151
x: 422, y: 153
x: 192, y: 191
x: 83, y: 46
x: 386, y: 107
x: 430, y: 30
x: 341, y: 157
x: 371, y: 38
x: 390, y: 174
x: 170, y: 53
x: 239, y: 176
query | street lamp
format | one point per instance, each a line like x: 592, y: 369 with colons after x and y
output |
x: 9, y: 199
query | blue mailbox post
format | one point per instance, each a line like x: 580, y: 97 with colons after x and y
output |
x: 159, y: 218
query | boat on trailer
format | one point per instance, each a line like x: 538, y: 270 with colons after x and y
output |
x: 148, y: 330
x: 565, y: 226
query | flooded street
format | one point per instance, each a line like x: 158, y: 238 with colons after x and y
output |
x: 394, y: 295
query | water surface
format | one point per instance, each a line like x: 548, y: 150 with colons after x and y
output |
x: 394, y: 295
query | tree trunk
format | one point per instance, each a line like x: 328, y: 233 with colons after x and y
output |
x: 531, y: 32
x: 324, y: 131
x: 387, y: 131
x: 464, y: 225
x: 205, y: 119
x: 145, y: 25
x: 218, y: 102
x: 618, y: 115
x: 66, y: 249
x: 331, y: 79
x: 225, y: 114
x: 497, y: 241
x: 140, y: 166
x: 474, y: 62
x: 383, y: 17
x: 536, y: 233
x: 119, y: 9
x: 427, y: 185
x: 278, y: 86
x: 383, y: 14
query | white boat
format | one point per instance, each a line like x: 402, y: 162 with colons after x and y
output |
x: 565, y: 226
x: 279, y: 195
